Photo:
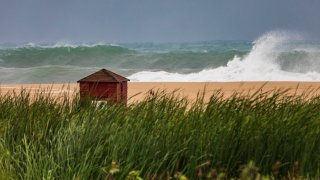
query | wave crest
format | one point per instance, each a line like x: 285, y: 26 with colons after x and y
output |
x: 263, y: 63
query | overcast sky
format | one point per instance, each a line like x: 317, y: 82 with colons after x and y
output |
x: 110, y: 21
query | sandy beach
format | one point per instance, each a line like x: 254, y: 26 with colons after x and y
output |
x: 138, y: 90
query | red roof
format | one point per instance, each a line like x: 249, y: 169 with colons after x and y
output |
x: 103, y: 76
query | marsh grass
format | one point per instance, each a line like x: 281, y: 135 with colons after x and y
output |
x: 163, y: 136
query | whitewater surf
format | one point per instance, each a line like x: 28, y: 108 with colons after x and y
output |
x: 275, y: 56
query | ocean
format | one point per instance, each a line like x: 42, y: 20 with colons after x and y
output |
x: 274, y: 56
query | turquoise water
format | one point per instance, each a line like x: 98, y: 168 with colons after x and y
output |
x: 273, y: 56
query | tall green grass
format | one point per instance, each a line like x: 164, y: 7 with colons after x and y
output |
x: 162, y: 136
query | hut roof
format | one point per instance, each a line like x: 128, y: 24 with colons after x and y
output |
x: 103, y: 76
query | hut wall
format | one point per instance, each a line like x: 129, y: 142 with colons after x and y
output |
x: 124, y: 91
x: 114, y: 92
x: 102, y: 91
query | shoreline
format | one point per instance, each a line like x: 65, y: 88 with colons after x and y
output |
x: 138, y: 90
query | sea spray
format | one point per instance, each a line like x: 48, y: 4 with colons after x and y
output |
x: 262, y: 63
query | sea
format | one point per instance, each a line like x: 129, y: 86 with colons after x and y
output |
x: 274, y: 56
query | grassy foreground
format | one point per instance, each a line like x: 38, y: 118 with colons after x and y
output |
x: 163, y: 136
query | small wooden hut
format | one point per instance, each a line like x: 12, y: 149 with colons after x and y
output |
x: 104, y: 85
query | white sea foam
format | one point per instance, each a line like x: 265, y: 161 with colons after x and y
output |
x: 75, y: 45
x: 260, y: 64
x: 60, y: 44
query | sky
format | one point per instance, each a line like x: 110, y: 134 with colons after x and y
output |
x: 122, y: 21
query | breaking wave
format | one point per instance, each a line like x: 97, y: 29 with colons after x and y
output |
x: 275, y: 56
